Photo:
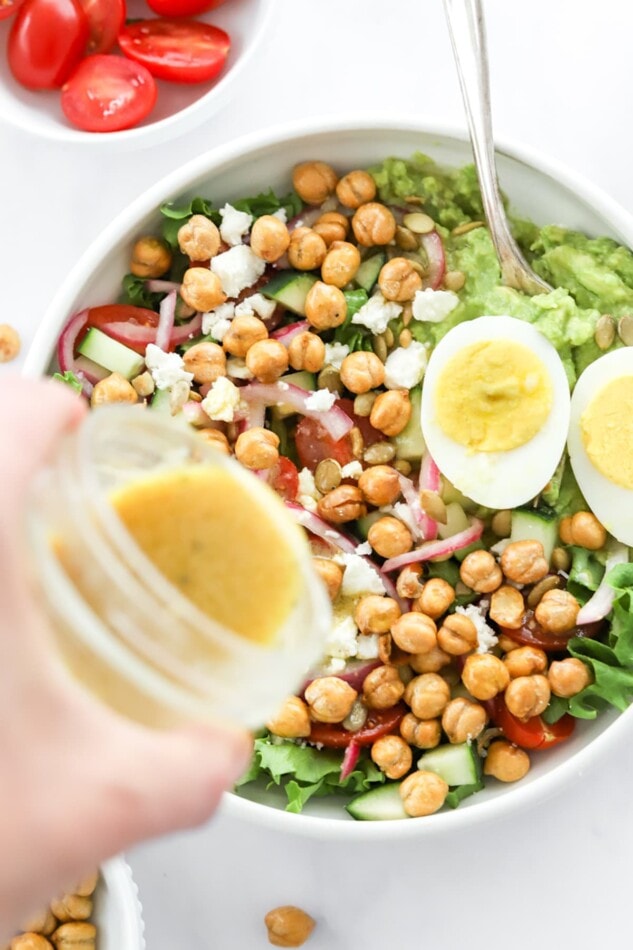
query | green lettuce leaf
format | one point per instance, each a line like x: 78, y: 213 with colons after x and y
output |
x: 69, y: 379
x: 264, y: 203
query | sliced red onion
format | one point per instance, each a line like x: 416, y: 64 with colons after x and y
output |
x: 354, y: 673
x: 321, y: 528
x: 335, y: 422
x: 282, y: 263
x: 286, y: 334
x: 87, y: 369
x: 162, y: 286
x: 412, y: 497
x: 135, y: 334
x: 166, y: 317
x: 429, y: 481
x: 305, y: 219
x: 66, y: 350
x: 434, y: 250
x: 350, y: 759
x: 599, y: 605
x: 442, y: 548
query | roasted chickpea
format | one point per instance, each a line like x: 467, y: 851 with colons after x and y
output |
x: 76, y: 935
x: 430, y: 662
x: 399, y: 280
x: 257, y: 448
x: 114, y: 388
x: 330, y: 699
x: 391, y: 411
x: 43, y: 923
x: 507, y: 607
x: 373, y: 224
x: 362, y: 371
x: 527, y: 696
x: 243, y: 333
x: 506, y: 762
x: 30, y: 941
x: 288, y: 926
x: 355, y: 189
x: 557, y: 611
x: 524, y: 562
x: 340, y: 264
x: 427, y: 695
x: 389, y: 537
x: 423, y: 793
x: 270, y: 238
x: 71, y: 907
x: 480, y: 572
x: 325, y: 306
x: 332, y: 226
x: 292, y: 721
x: 344, y: 503
x: 422, y: 733
x: 151, y: 257
x: 463, y: 720
x: 484, y: 675
x: 199, y: 239
x: 10, y: 343
x: 392, y: 755
x: 409, y: 585
x: 415, y: 633
x: 201, y: 289
x: 380, y: 485
x: 436, y: 597
x: 376, y: 614
x: 524, y: 661
x: 207, y: 361
x: 267, y: 360
x: 382, y: 688
x: 457, y: 635
x: 564, y: 530
x: 87, y: 886
x: 307, y: 249
x: 216, y: 439
x: 568, y: 677
x: 314, y: 181
x: 587, y: 532
x: 307, y: 351
x: 330, y: 573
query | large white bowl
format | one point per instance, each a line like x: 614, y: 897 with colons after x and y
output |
x: 537, y: 188
x: 117, y: 911
x: 180, y: 107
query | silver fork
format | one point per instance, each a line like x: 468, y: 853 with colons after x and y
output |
x: 468, y: 37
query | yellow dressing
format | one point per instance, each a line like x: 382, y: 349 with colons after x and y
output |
x: 606, y: 427
x: 493, y: 396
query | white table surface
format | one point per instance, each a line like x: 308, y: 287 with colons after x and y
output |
x: 556, y: 876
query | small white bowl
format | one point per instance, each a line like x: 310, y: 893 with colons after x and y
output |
x: 117, y: 910
x: 180, y: 107
x: 538, y: 189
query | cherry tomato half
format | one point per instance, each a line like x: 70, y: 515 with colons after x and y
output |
x: 285, y: 479
x: 182, y: 7
x: 121, y: 313
x: 379, y: 722
x: 9, y: 7
x: 531, y: 633
x: 178, y: 50
x: 47, y: 40
x: 105, y: 19
x: 534, y: 733
x: 314, y: 444
x: 108, y: 93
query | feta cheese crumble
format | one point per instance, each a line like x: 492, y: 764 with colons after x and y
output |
x: 166, y: 369
x: 281, y: 214
x: 256, y: 304
x: 222, y: 400
x: 236, y: 368
x: 433, y: 306
x: 222, y: 314
x: 234, y: 225
x: 404, y: 368
x: 321, y: 400
x: 341, y: 639
x: 359, y: 577
x: 367, y: 646
x: 308, y: 494
x: 335, y: 353
x: 486, y: 637
x: 237, y: 268
x: 376, y: 313
x: 364, y: 548
x: 352, y: 470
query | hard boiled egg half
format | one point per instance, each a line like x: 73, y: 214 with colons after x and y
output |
x: 601, y: 440
x: 495, y: 410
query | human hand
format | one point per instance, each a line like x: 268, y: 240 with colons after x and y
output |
x: 79, y: 783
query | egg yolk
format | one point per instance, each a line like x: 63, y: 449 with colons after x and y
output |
x: 493, y: 396
x: 606, y: 428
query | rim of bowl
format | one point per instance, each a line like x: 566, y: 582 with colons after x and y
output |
x: 119, y: 881
x: 172, y: 126
x: 42, y: 350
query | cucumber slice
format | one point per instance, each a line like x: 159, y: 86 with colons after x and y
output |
x: 364, y: 524
x: 111, y: 354
x: 378, y: 804
x: 533, y: 524
x: 290, y: 288
x: 367, y: 273
x: 303, y: 380
x: 410, y: 442
x: 456, y: 764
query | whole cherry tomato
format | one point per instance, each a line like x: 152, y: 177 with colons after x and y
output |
x: 47, y: 40
x: 182, y: 7
x: 105, y: 19
x: 9, y: 7
x: 178, y: 50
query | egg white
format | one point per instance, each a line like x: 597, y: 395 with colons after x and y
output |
x: 498, y: 479
x: 612, y: 504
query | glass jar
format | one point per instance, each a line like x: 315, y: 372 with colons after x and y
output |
x: 123, y: 629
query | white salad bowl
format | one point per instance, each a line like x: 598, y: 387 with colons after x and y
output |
x: 538, y: 189
x: 180, y: 106
x: 117, y: 911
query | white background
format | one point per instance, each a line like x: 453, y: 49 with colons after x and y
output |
x: 555, y: 876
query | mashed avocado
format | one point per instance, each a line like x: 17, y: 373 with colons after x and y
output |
x: 592, y: 276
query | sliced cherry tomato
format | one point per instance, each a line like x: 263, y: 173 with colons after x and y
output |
x: 105, y: 19
x: 182, y: 7
x: 534, y: 733
x: 285, y: 479
x: 47, y: 40
x: 379, y: 722
x: 369, y: 434
x: 314, y: 444
x: 108, y: 93
x: 531, y: 633
x: 9, y: 7
x: 121, y: 313
x: 179, y: 50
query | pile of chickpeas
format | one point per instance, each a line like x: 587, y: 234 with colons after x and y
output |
x: 65, y: 924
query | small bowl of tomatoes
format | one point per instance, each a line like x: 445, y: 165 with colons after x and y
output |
x: 130, y: 72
